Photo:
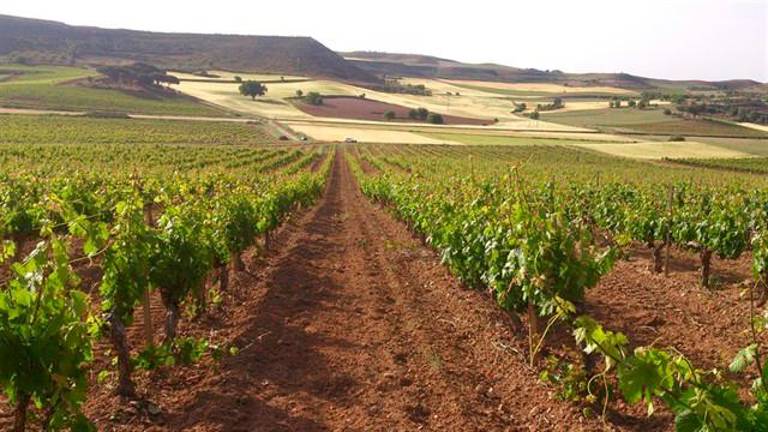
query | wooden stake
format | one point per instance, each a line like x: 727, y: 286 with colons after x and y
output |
x: 668, y: 240
x: 533, y: 331
x: 149, y: 334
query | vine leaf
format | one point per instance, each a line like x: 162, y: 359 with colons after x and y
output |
x: 743, y: 358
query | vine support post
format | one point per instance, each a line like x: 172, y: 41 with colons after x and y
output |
x: 149, y: 335
x: 668, y: 239
x: 533, y: 331
x: 149, y: 219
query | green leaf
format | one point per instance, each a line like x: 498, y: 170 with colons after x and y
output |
x: 743, y: 358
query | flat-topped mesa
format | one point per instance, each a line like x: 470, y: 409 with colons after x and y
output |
x: 39, y: 41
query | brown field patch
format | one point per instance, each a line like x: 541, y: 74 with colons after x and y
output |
x: 368, y: 109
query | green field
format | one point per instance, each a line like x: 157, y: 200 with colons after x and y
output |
x: 651, y: 121
x: 49, y: 88
x: 18, y: 129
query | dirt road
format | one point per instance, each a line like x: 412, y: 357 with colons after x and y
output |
x: 354, y: 325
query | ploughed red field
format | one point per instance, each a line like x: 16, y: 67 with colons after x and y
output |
x: 349, y: 107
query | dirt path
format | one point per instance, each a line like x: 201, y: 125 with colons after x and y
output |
x: 355, y: 326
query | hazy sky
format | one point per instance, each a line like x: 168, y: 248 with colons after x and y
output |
x: 706, y: 39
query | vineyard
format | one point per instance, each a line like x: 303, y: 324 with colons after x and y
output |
x: 167, y: 282
x: 539, y: 239
x: 89, y: 130
x: 84, y: 251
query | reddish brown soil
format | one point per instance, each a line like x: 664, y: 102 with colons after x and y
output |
x: 349, y: 323
x: 708, y: 326
x: 368, y: 109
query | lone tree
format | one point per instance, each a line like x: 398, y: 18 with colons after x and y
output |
x: 299, y: 93
x: 389, y: 115
x: 238, y: 78
x: 252, y: 89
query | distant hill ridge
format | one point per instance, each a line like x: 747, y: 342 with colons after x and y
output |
x: 40, y: 41
x: 381, y: 63
x: 50, y: 42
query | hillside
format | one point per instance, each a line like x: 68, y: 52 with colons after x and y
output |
x: 433, y: 67
x: 39, y: 41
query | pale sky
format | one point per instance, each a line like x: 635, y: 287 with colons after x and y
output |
x: 677, y: 39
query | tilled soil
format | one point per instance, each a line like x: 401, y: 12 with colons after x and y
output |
x: 353, y: 325
x: 708, y: 326
x: 348, y: 107
x: 350, y: 323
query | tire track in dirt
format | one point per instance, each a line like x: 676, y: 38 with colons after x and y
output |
x: 354, y: 325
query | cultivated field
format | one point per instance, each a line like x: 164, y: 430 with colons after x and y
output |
x: 30, y: 129
x: 210, y: 273
x: 538, y: 89
x: 651, y: 122
x: 373, y: 241
x: 54, y: 88
x: 661, y: 149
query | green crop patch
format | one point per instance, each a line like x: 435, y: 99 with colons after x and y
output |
x: 54, y: 88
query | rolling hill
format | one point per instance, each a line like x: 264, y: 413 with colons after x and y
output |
x: 39, y: 41
x: 380, y: 63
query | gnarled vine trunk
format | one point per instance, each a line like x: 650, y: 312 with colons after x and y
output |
x: 20, y: 412
x: 202, y: 295
x: 119, y: 341
x: 706, y: 263
x: 762, y: 285
x: 223, y: 278
x: 658, y: 262
x: 171, y: 321
x: 237, y: 262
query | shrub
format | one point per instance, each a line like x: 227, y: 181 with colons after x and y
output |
x: 435, y: 118
x: 314, y: 98
x: 389, y: 115
x: 677, y: 138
